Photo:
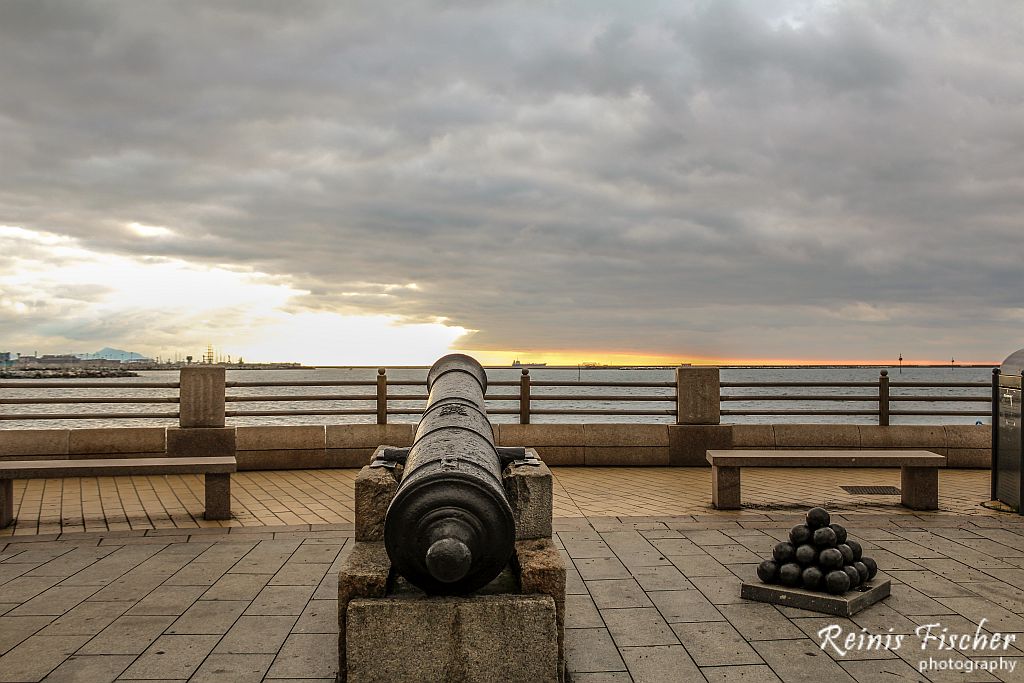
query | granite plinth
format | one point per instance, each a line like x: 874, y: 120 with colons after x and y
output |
x: 844, y: 605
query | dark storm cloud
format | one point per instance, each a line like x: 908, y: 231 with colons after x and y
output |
x: 757, y: 179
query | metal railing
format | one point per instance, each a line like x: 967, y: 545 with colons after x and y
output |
x: 881, y: 396
x: 497, y: 392
x: 79, y: 400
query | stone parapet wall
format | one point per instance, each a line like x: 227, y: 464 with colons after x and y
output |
x: 596, y: 445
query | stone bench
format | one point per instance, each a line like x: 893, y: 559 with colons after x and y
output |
x: 919, y: 478
x: 217, y: 470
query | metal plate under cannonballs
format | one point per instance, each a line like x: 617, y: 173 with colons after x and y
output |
x: 845, y: 605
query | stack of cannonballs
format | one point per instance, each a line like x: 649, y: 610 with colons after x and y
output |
x: 819, y: 556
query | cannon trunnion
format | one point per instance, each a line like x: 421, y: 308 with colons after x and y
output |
x: 450, y: 529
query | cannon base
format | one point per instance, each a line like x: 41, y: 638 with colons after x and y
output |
x: 510, y: 630
x: 845, y: 605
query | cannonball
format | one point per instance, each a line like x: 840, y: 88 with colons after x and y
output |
x: 858, y: 552
x: 806, y: 554
x: 768, y: 571
x: 800, y: 534
x: 847, y: 552
x: 783, y: 552
x: 817, y: 518
x: 825, y: 537
x: 840, y: 532
x: 837, y: 582
x: 862, y: 569
x: 830, y: 558
x: 790, y: 574
x: 853, y: 574
x: 812, y: 578
x: 871, y: 565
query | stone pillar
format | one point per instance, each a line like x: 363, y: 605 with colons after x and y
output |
x: 202, y: 396
x: 698, y: 396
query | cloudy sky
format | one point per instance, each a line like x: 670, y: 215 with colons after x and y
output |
x: 565, y: 181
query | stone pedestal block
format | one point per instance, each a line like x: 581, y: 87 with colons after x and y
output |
x: 374, y: 489
x: 920, y: 487
x: 6, y: 502
x: 542, y: 571
x: 529, y: 493
x: 689, y: 444
x: 200, y: 442
x: 202, y: 396
x: 725, y: 487
x: 698, y: 396
x: 218, y: 496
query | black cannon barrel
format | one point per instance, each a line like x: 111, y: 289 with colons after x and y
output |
x: 449, y: 528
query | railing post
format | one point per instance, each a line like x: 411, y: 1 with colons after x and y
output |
x: 698, y: 396
x: 382, y: 396
x: 995, y: 433
x: 524, y: 398
x: 883, y: 398
x: 201, y: 396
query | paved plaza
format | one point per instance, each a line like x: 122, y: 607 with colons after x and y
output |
x: 653, y: 581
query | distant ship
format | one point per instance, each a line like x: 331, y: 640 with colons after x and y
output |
x: 517, y: 364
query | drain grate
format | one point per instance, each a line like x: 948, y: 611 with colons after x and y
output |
x: 872, y: 490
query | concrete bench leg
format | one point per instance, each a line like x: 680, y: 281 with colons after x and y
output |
x: 6, y: 502
x: 218, y: 496
x: 920, y: 486
x: 725, y: 488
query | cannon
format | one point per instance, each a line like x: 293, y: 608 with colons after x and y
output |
x: 450, y: 530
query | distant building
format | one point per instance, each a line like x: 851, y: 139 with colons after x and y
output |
x: 5, y: 359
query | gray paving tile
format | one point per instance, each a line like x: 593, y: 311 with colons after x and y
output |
x: 579, y: 549
x: 909, y: 601
x: 237, y: 668
x: 14, y: 630
x: 684, y: 606
x: 800, y: 661
x: 266, y: 558
x: 602, y: 677
x: 316, y: 553
x: 760, y: 621
x: 601, y: 568
x: 664, y: 577
x: 880, y: 618
x: 240, y: 587
x: 617, y: 593
x: 90, y: 669
x: 328, y: 588
x: 171, y: 656
x: 677, y: 546
x: 320, y: 616
x: 306, y: 655
x: 929, y: 583
x: 24, y: 588
x: 88, y: 618
x: 699, y: 565
x: 715, y: 643
x: 6, y: 607
x: 812, y: 627
x: 281, y: 600
x: 976, y: 609
x: 660, y: 664
x: 37, y: 656
x: 573, y: 581
x: 299, y: 574
x: 591, y: 650
x: 580, y: 612
x: 168, y: 600
x: 740, y: 674
x: 636, y: 626
x: 719, y: 590
x: 255, y: 635
x: 198, y: 574
x: 127, y: 635
x: 208, y: 617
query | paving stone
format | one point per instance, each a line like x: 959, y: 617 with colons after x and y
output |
x: 37, y: 656
x: 677, y: 546
x: 601, y: 568
x: 975, y: 609
x: 208, y: 617
x: 573, y: 581
x: 602, y: 677
x: 684, y: 606
x: 90, y: 669
x: 617, y: 593
x: 131, y: 587
x: 281, y: 600
x: 800, y: 661
x: 929, y: 583
x: 168, y: 600
x: 88, y: 618
x: 14, y: 630
x: 699, y: 565
x: 320, y: 616
x: 328, y: 587
x: 660, y: 664
x: 72, y: 562
x: 740, y: 674
x: 909, y: 601
x: 237, y: 587
x: 580, y: 549
x: 591, y: 650
x: 6, y: 607
x: 634, y: 626
x: 226, y: 552
x: 880, y: 618
x: 267, y: 557
x: 715, y: 643
x: 255, y: 635
x: 24, y: 588
x: 127, y: 635
x: 651, y: 558
x: 300, y: 574
x: 198, y: 574
x: 812, y: 626
x: 719, y: 590
x: 311, y: 655
x: 666, y: 577
x: 760, y: 621
x: 55, y: 601
x: 580, y: 612
x: 171, y: 656
x: 237, y: 668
